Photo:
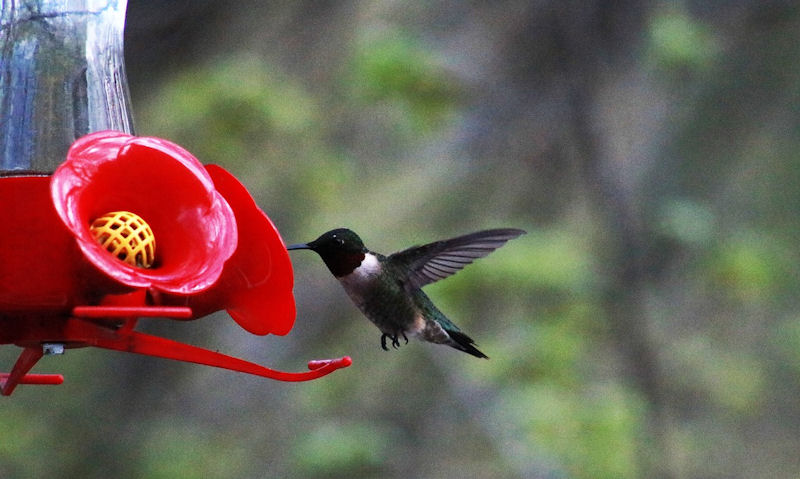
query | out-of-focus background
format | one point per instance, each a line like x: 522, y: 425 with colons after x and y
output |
x: 647, y: 326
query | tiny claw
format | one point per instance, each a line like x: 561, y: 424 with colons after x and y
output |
x: 383, y: 341
x: 404, y: 336
x: 395, y: 342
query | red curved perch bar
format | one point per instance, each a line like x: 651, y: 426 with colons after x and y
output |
x: 82, y: 329
x: 40, y: 379
x: 127, y: 340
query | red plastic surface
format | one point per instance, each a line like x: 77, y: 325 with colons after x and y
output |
x: 115, y: 312
x: 41, y: 267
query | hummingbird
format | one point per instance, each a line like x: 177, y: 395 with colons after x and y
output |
x: 388, y: 289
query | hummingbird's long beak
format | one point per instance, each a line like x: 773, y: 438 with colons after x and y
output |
x: 298, y: 246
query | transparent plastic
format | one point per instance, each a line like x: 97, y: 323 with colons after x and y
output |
x: 61, y: 76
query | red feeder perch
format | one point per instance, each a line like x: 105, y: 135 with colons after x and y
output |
x: 127, y: 227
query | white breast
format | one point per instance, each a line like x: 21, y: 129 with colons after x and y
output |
x: 367, y: 271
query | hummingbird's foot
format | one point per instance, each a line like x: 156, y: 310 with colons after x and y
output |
x: 395, y: 340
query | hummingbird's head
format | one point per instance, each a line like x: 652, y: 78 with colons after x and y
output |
x: 341, y: 250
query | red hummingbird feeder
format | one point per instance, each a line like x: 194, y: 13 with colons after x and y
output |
x: 117, y: 227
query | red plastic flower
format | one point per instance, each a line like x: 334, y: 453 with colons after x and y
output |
x: 194, y: 227
x: 215, y: 248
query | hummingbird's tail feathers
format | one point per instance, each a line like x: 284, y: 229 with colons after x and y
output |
x: 464, y: 343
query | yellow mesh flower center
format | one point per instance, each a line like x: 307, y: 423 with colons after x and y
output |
x: 126, y: 236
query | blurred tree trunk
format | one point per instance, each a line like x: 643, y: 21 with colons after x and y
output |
x: 556, y: 57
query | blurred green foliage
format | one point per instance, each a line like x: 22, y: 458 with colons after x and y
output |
x: 337, y: 449
x: 392, y: 70
x: 680, y: 42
